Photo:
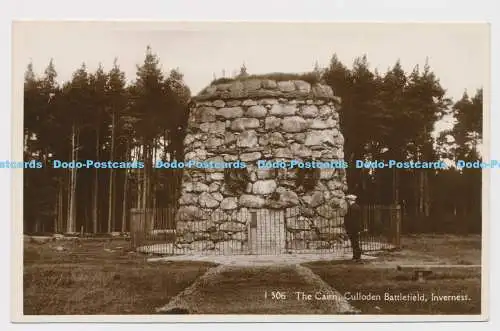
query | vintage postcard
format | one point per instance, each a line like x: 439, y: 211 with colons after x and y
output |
x: 204, y: 172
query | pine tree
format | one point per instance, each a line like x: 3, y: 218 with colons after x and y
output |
x: 148, y: 105
x: 117, y: 102
x: 392, y: 96
x: 78, y: 97
x: 98, y: 83
x: 32, y: 103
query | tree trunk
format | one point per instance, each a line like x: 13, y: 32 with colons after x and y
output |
x: 125, y: 190
x: 68, y: 194
x: 146, y: 186
x: 61, y: 205
x: 421, y: 193
x: 152, y: 181
x: 111, y: 178
x: 26, y: 140
x: 140, y: 186
x: 95, y: 207
x: 164, y: 156
x: 56, y: 210
x: 415, y: 179
x: 427, y: 203
x: 71, y: 226
x: 59, y: 209
x: 396, y: 186
x: 145, y: 177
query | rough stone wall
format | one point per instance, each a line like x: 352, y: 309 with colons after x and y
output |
x: 253, y: 120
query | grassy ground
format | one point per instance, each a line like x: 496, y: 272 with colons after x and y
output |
x: 99, y: 277
x: 443, y: 249
x: 255, y: 290
x: 382, y: 277
x: 103, y: 277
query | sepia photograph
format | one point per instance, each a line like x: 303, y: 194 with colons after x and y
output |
x: 222, y: 169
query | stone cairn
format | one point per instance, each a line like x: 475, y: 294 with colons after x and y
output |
x: 262, y: 119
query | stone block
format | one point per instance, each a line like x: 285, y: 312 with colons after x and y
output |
x: 214, y: 143
x: 302, y: 86
x: 229, y: 138
x: 242, y: 124
x: 233, y: 103
x: 316, y: 124
x: 219, y: 217
x: 217, y: 176
x: 276, y: 139
x: 252, y: 84
x: 322, y: 91
x: 327, y: 173
x: 230, y: 112
x: 319, y: 137
x: 281, y: 110
x: 236, y: 90
x: 249, y: 157
x: 309, y: 111
x: 249, y: 102
x: 265, y: 173
x: 204, y: 114
x: 286, y: 86
x: 247, y: 139
x: 269, y: 84
x: 263, y: 187
x: 299, y: 137
x: 199, y: 187
x: 190, y: 213
x: 269, y: 101
x: 214, y: 187
x: 218, y: 103
x: 256, y: 111
x: 300, y: 151
x: 283, y: 153
x: 294, y: 124
x: 229, y: 203
x: 188, y: 199
x: 272, y: 123
x: 289, y: 198
x: 213, y: 127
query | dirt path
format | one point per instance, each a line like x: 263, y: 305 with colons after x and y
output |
x: 284, y: 289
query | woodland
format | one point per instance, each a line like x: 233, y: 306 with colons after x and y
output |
x: 100, y: 116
